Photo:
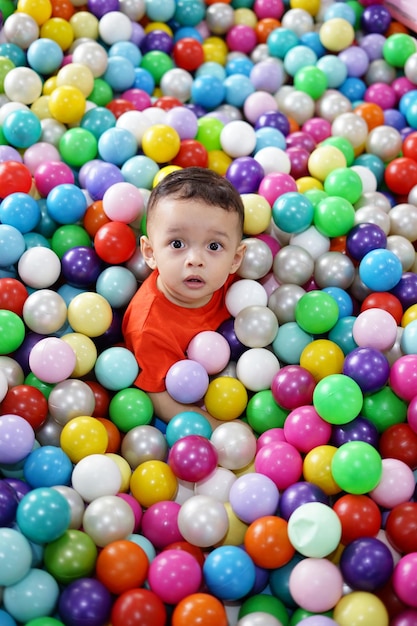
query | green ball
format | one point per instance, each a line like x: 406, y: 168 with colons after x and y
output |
x: 102, y: 93
x: 345, y: 183
x: 384, y: 409
x: 263, y: 413
x: 343, y: 145
x: 34, y: 381
x: 44, y: 621
x: 316, y: 312
x: 397, y: 48
x: 77, y: 146
x: 69, y: 236
x: 301, y: 614
x: 5, y: 66
x: 71, y: 556
x: 311, y: 80
x: 338, y: 399
x: 265, y: 603
x: 208, y: 133
x: 356, y: 467
x: 334, y: 216
x: 315, y: 195
x: 129, y: 408
x: 157, y: 63
x: 12, y: 331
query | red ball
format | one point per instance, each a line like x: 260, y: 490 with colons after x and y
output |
x: 118, y: 106
x: 359, y: 515
x: 138, y: 607
x: 191, y: 153
x: 13, y: 294
x: 188, y: 54
x: 167, y: 102
x: 401, y: 175
x: 102, y: 398
x: 115, y: 242
x: 401, y: 527
x: 27, y: 402
x: 386, y: 301
x: 399, y: 441
x: 409, y: 147
x: 14, y: 177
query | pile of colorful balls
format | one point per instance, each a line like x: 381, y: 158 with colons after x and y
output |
x: 301, y: 507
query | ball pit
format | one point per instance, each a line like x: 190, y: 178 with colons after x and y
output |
x: 110, y: 516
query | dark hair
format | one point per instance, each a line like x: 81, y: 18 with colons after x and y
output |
x: 198, y: 183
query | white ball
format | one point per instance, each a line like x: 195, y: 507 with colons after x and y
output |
x: 256, y: 368
x: 22, y: 84
x: 273, y: 159
x: 96, y: 475
x: 91, y: 54
x: 217, y: 485
x: 115, y: 26
x: 203, y: 521
x: 243, y: 293
x: 108, y: 519
x: 238, y: 138
x: 39, y: 267
x: 235, y: 443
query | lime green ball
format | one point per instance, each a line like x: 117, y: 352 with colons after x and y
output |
x: 208, y: 133
x: 397, y: 48
x: 344, y: 183
x: 129, y: 408
x: 43, y: 387
x: 344, y: 146
x: 358, y: 8
x: 102, y: 93
x: 265, y: 603
x: 78, y: 146
x: 315, y: 195
x: 311, y: 80
x: 73, y: 555
x: 338, y: 399
x: 5, y: 66
x: 157, y: 63
x: 316, y: 312
x: 69, y: 236
x: 334, y: 216
x: 263, y: 413
x: 384, y: 409
x: 356, y: 467
x: 12, y: 331
x: 44, y: 621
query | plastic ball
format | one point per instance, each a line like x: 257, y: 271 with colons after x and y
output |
x: 89, y: 314
x: 177, y: 564
x: 85, y: 597
x: 316, y: 312
x: 71, y: 556
x: 203, y: 521
x: 16, y: 556
x: 107, y: 519
x: 226, y: 398
x: 199, y: 608
x: 327, y: 589
x: 15, y: 178
x: 267, y: 542
x: 253, y: 496
x: 403, y: 579
x: 43, y: 515
x: 82, y: 436
x: 39, y: 267
x: 52, y: 360
x: 325, y: 529
x: 375, y: 328
x: 235, y: 444
x: 32, y: 597
x: 368, y: 367
x: 281, y: 462
x: 12, y: 330
x: 366, y: 461
x: 211, y: 350
x: 153, y: 481
x: 138, y: 603
x: 229, y: 572
x: 360, y: 607
x: 183, y: 454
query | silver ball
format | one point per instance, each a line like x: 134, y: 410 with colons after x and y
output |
x: 283, y: 302
x: 293, y: 264
x: 334, y: 269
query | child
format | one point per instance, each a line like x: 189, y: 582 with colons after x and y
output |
x: 194, y: 245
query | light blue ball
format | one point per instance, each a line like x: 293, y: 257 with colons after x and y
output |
x: 21, y: 211
x: 342, y: 335
x: 66, y: 203
x: 43, y: 515
x: 157, y: 11
x: 187, y: 423
x: 120, y: 73
x: 208, y: 92
x: 22, y: 128
x: 409, y: 338
x: 140, y: 170
x: 45, y: 56
x: 229, y: 573
x: 290, y: 342
x: 126, y: 49
x: 12, y: 245
x: 238, y: 88
x: 34, y: 596
x: 116, y: 368
x: 299, y: 57
x: 98, y: 120
x: 188, y: 12
x: 117, y: 145
x: 6, y: 619
x: 292, y: 212
x: 267, y: 136
x: 334, y: 69
x: 343, y: 299
x: 117, y: 285
x: 47, y: 466
x: 380, y: 270
x: 15, y: 556
x: 143, y: 80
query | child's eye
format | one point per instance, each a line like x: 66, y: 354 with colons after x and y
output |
x: 177, y: 244
x: 215, y: 245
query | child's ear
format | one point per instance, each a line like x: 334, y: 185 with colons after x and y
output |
x: 147, y: 252
x: 238, y: 258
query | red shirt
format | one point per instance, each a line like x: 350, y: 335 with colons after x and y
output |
x: 158, y: 331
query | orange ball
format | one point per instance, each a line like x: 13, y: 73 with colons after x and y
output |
x: 264, y: 27
x: 95, y: 218
x: 372, y: 113
x: 122, y: 565
x: 267, y: 543
x: 113, y: 434
x: 199, y: 609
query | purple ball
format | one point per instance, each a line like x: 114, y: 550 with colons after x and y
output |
x: 227, y: 329
x: 359, y: 429
x: 299, y: 161
x: 187, y: 381
x: 355, y: 59
x: 373, y: 44
x: 363, y: 238
x: 8, y: 504
x: 101, y: 7
x: 394, y: 118
x: 100, y: 176
x: 406, y: 290
x: 366, y: 564
x: 275, y: 119
x: 245, y: 174
x: 113, y: 334
x: 301, y: 139
x: 81, y: 266
x: 20, y: 487
x: 368, y: 367
x: 21, y: 355
x: 157, y: 40
x: 85, y: 601
x: 376, y: 19
x: 298, y: 494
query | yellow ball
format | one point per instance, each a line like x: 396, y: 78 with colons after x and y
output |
x: 317, y: 468
x: 161, y: 143
x: 325, y: 159
x: 226, y: 398
x: 218, y: 161
x: 85, y: 352
x: 215, y: 50
x: 125, y: 470
x: 236, y: 531
x: 305, y: 183
x: 409, y: 315
x: 82, y: 436
x: 336, y: 34
x: 59, y: 30
x: 245, y: 17
x: 67, y: 104
x: 152, y: 482
x: 257, y: 214
x: 321, y: 358
x: 39, y: 10
x: 90, y: 314
x: 360, y: 608
x: 84, y: 25
x: 158, y: 26
x: 164, y: 171
x: 49, y: 86
x: 40, y: 108
x: 310, y: 6
x: 77, y: 75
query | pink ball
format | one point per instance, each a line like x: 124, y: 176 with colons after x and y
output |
x: 173, y: 575
x: 281, y: 462
x: 160, y: 524
x: 293, y: 386
x: 192, y: 458
x: 270, y: 436
x: 275, y: 184
x: 211, y: 350
x: 305, y: 429
x: 135, y: 506
x: 139, y: 98
x: 241, y: 38
x: 403, y: 377
x: 273, y: 244
x: 49, y: 174
x: 381, y: 94
x: 375, y: 328
x: 38, y: 153
x: 404, y: 579
x: 396, y: 486
x: 123, y: 202
x: 268, y: 8
x: 412, y: 414
x: 318, y: 128
x: 316, y: 584
x: 257, y: 103
x: 52, y: 360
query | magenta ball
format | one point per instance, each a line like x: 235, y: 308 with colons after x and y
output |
x: 275, y: 184
x: 293, y: 386
x: 187, y: 381
x: 404, y: 579
x: 281, y: 462
x: 160, y: 524
x: 305, y: 429
x: 403, y: 377
x: 272, y: 435
x: 192, y: 458
x: 173, y: 575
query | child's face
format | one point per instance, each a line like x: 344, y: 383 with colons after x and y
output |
x: 194, y: 246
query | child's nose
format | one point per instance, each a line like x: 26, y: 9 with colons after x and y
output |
x: 194, y: 257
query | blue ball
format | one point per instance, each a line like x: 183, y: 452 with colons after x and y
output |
x: 117, y: 145
x: 98, y: 120
x: 409, y: 338
x: 298, y: 57
x: 353, y: 88
x: 239, y: 65
x: 238, y: 88
x: 334, y: 69
x: 187, y: 423
x: 229, y: 573
x: 45, y: 56
x: 120, y: 73
x: 22, y: 128
x: 66, y: 203
x: 21, y: 211
x: 140, y: 170
x: 208, y: 91
x: 341, y: 334
x: 12, y: 245
x: 47, y: 466
x: 280, y: 40
x: 269, y: 136
x: 143, y: 80
x: 126, y: 49
x: 292, y: 212
x: 380, y: 270
x: 343, y: 299
x: 13, y: 52
x: 6, y: 619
